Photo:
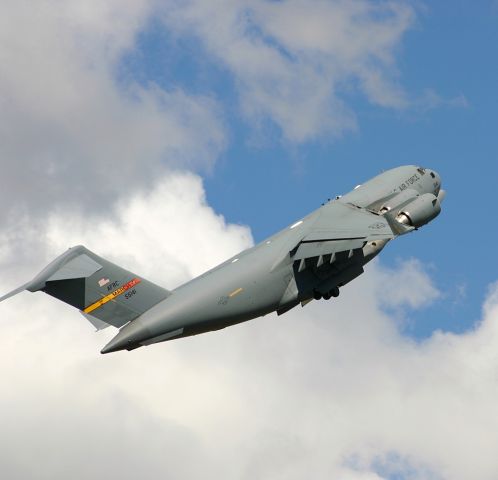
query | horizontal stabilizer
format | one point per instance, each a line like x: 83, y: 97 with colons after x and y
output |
x: 105, y: 293
x: 14, y: 292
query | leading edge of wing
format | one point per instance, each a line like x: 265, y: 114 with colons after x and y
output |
x: 346, y: 227
x: 342, y: 227
x: 340, y: 221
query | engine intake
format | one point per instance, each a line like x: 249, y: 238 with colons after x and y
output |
x: 420, y: 211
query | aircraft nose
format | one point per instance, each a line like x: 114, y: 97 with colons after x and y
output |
x: 436, y: 181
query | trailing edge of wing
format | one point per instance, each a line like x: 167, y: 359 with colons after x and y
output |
x: 315, y: 249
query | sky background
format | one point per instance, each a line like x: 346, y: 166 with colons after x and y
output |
x: 168, y: 136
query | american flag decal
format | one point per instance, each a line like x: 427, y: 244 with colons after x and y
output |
x: 103, y: 281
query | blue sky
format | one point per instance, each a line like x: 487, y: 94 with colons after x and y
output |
x: 445, y: 62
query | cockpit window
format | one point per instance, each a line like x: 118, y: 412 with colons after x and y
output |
x: 421, y: 170
x: 432, y: 175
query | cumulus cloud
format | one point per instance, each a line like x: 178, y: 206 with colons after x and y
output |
x: 294, y: 62
x: 170, y: 234
x: 70, y: 134
x: 413, y: 285
x: 332, y: 388
x: 74, y: 135
x: 171, y: 230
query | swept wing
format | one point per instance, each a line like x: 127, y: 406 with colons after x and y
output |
x: 342, y: 227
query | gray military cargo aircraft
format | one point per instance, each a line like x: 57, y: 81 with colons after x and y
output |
x: 311, y: 259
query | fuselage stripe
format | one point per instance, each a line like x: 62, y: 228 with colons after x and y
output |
x: 235, y: 292
x: 112, y: 295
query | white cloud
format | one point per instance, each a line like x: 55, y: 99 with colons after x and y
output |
x: 332, y: 387
x: 293, y: 62
x: 70, y: 136
x: 412, y: 285
x: 431, y: 100
x: 170, y: 230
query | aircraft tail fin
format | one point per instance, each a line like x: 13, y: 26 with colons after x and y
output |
x: 105, y: 293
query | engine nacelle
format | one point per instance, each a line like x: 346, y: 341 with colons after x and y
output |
x: 420, y: 211
x: 399, y: 200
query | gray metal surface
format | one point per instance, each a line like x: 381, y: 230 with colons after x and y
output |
x: 311, y: 259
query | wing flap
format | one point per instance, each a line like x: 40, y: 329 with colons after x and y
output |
x: 314, y: 249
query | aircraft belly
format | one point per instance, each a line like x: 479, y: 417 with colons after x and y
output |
x: 237, y: 293
x: 234, y: 294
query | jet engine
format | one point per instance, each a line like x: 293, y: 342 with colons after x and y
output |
x: 420, y: 211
